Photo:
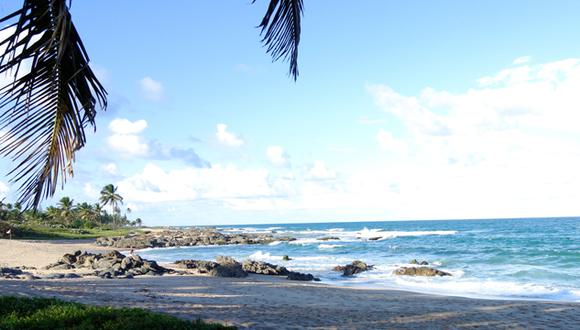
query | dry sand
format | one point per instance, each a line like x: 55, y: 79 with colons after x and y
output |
x: 14, y: 253
x: 262, y: 302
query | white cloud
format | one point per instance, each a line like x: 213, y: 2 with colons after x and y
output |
x: 110, y: 168
x: 506, y: 148
x: 319, y: 171
x: 522, y: 60
x: 90, y: 191
x: 511, y: 141
x: 388, y: 142
x: 151, y: 89
x: 125, y: 126
x: 125, y: 138
x: 219, y: 183
x: 228, y: 138
x: 277, y: 155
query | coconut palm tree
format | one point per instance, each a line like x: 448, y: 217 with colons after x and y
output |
x: 66, y: 208
x: 45, y: 110
x: 86, y: 212
x: 110, y: 197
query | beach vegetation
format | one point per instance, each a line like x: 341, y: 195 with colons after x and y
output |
x: 67, y: 219
x: 44, y: 313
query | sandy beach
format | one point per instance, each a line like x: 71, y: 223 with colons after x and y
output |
x: 265, y: 302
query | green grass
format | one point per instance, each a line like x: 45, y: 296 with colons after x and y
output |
x: 29, y: 231
x: 42, y: 313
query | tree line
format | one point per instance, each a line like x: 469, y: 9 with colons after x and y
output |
x: 107, y: 212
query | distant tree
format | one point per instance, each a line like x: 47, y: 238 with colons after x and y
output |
x: 109, y: 196
x: 86, y: 212
x: 66, y: 208
x: 138, y: 222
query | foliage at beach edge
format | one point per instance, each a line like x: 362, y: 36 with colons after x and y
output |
x: 43, y: 313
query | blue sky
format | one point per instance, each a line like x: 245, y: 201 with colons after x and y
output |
x: 403, y: 110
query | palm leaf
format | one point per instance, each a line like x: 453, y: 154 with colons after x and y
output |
x: 281, y: 30
x: 44, y: 110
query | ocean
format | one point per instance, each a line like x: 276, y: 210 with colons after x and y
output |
x: 537, y: 258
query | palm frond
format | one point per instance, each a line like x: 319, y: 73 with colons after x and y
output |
x: 281, y: 30
x: 45, y: 109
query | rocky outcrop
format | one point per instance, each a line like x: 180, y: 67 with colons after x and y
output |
x: 264, y: 268
x: 109, y: 265
x: 189, y: 237
x: 228, y: 267
x: 420, y: 271
x: 295, y: 276
x: 15, y: 273
x: 355, y: 267
x: 328, y: 238
x: 6, y: 272
x: 259, y: 267
x: 197, y: 266
x: 416, y: 262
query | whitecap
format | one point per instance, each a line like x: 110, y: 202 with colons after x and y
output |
x: 379, y: 234
x: 329, y: 246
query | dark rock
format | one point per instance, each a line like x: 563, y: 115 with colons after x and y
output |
x: 224, y: 260
x: 61, y: 267
x: 259, y: 267
x: 114, y: 255
x: 6, y: 271
x: 112, y: 264
x: 286, y: 258
x: 295, y: 276
x: 72, y: 275
x: 228, y: 267
x: 189, y: 237
x: 329, y: 238
x: 199, y: 266
x: 420, y: 271
x: 105, y: 263
x: 416, y: 262
x: 355, y: 267
x: 11, y: 273
x: 69, y: 259
x: 27, y: 268
x: 127, y: 263
x: 375, y: 238
x: 228, y: 271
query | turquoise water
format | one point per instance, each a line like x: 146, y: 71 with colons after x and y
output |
x: 503, y: 258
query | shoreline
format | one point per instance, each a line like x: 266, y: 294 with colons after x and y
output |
x: 263, y: 302
x: 40, y: 253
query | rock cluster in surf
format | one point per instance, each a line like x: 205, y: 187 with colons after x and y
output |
x: 355, y: 267
x: 420, y: 271
x: 186, y: 237
x: 228, y: 267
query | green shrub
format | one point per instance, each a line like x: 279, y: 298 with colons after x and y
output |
x: 42, y: 313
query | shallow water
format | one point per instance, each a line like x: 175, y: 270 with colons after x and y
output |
x: 503, y: 258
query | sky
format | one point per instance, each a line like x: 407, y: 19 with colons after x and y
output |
x: 403, y: 110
